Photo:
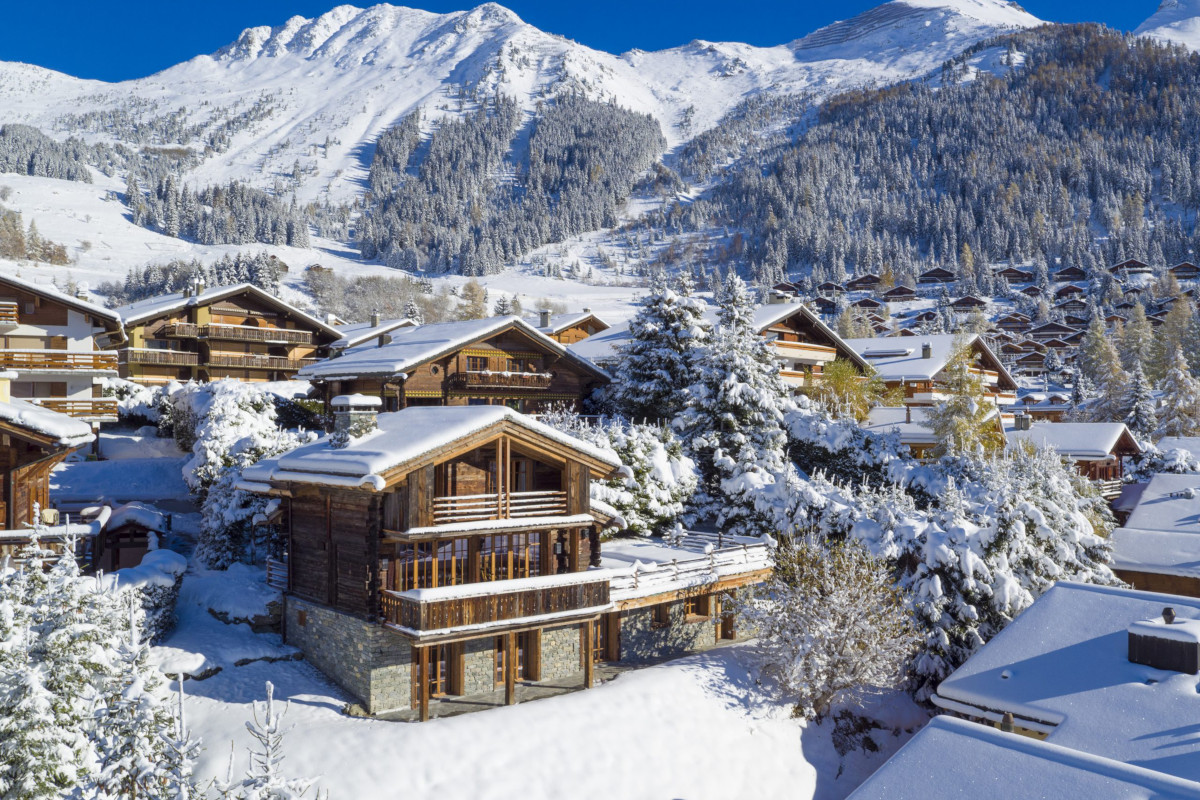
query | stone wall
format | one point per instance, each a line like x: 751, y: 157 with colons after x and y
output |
x: 560, y: 652
x: 364, y: 658
x: 643, y: 639
x: 479, y: 665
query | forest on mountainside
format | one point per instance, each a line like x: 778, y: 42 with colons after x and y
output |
x: 1085, y: 151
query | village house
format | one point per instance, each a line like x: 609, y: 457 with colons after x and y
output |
x: 570, y: 328
x: 52, y: 341
x: 937, y: 275
x: 910, y: 425
x: 899, y: 294
x: 455, y: 551
x: 1158, y: 547
x: 917, y: 366
x: 376, y: 329
x: 491, y: 361
x: 1014, y: 275
x: 864, y: 283
x: 1185, y: 271
x: 239, y: 332
x: 1097, y: 449
x: 1071, y: 273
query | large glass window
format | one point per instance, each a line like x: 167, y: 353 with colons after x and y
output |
x: 508, y: 556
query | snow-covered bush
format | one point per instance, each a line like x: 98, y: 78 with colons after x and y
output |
x: 1152, y: 461
x: 831, y: 624
x: 135, y: 403
x: 155, y: 581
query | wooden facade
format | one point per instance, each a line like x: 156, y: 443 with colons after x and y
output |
x: 238, y: 332
x: 27, y: 457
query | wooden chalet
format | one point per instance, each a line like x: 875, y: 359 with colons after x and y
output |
x: 1050, y: 330
x: 937, y: 275
x: 869, y: 303
x: 442, y: 551
x: 570, y: 328
x: 53, y: 342
x: 1097, y: 449
x: 33, y: 441
x: 1032, y: 291
x: 1075, y: 321
x: 1070, y: 290
x: 1130, y: 266
x: 1071, y: 273
x: 1186, y: 271
x: 916, y: 366
x: 830, y: 287
x: 1014, y: 275
x: 787, y: 288
x: 825, y: 306
x: 968, y: 303
x: 238, y: 332
x: 1015, y: 321
x: 491, y: 361
x: 864, y: 283
x: 899, y: 294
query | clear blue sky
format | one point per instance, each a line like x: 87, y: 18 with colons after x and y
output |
x: 121, y: 39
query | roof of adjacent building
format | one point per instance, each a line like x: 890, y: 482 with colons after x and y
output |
x: 1188, y: 444
x: 560, y: 322
x: 1063, y: 667
x: 909, y: 422
x: 43, y: 423
x: 357, y: 333
x: 906, y: 363
x: 403, y: 438
x: 1078, y: 441
x: 52, y: 292
x: 412, y: 347
x: 953, y: 758
x: 144, y: 310
x: 1162, y: 533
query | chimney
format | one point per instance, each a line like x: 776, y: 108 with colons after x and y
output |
x: 6, y: 379
x: 376, y: 319
x: 544, y: 318
x: 1023, y: 422
x: 927, y: 350
x: 81, y: 291
x: 1168, y: 643
x: 907, y: 413
x: 354, y: 415
x: 187, y: 290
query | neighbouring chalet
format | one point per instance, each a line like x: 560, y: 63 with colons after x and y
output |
x: 1130, y: 266
x: 968, y: 303
x: 1097, y: 449
x: 911, y: 426
x: 491, y: 361
x: 1158, y: 547
x: 1048, y: 406
x: 1070, y: 274
x: 238, y: 332
x: 937, y: 275
x: 570, y: 328
x: 33, y: 441
x: 864, y: 283
x: 1015, y: 275
x: 456, y: 551
x: 377, y: 330
x: 916, y: 365
x: 1051, y: 330
x: 899, y: 294
x: 1186, y: 271
x: 52, y: 341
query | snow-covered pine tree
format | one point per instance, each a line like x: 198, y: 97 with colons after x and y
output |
x: 180, y: 751
x: 413, y: 311
x: 1112, y: 386
x: 1180, y: 412
x: 1141, y: 419
x: 1137, y: 340
x: 657, y: 364
x: 265, y: 780
x: 733, y: 423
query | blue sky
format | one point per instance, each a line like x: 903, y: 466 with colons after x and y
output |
x: 133, y: 38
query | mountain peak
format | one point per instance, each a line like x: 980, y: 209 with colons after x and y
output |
x: 902, y: 21
x: 1175, y: 21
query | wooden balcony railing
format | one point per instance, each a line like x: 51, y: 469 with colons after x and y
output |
x: 181, y: 330
x: 170, y: 358
x: 9, y: 313
x: 814, y: 352
x: 429, y: 611
x: 499, y: 380
x: 250, y: 333
x: 507, y: 505
x: 84, y: 408
x: 57, y: 360
x: 260, y: 362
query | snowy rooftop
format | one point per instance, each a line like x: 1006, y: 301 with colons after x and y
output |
x: 356, y: 333
x: 602, y: 346
x: 909, y: 422
x: 1169, y: 503
x: 560, y: 322
x: 67, y: 431
x: 1080, y: 441
x: 1062, y: 666
x: 162, y: 304
x: 51, y: 291
x: 953, y: 758
x: 411, y: 347
x: 1156, y: 552
x: 402, y: 437
x: 904, y: 362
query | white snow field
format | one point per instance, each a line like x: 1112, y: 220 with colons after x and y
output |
x: 1175, y: 21
x: 699, y: 727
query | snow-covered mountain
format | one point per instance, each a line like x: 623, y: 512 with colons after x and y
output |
x: 1176, y: 21
x: 309, y: 97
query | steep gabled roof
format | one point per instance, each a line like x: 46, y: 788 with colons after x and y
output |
x: 102, y: 314
x: 560, y: 322
x: 910, y: 365
x: 146, y: 310
x: 1078, y: 441
x: 357, y: 333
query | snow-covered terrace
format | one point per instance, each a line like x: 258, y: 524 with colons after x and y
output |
x: 646, y: 567
x: 1062, y: 667
x: 1162, y: 534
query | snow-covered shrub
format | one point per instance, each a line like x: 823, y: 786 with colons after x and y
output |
x: 135, y: 403
x: 831, y: 624
x: 265, y: 780
x: 1152, y: 461
x: 155, y: 581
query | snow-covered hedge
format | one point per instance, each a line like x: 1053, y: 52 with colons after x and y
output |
x: 156, y: 580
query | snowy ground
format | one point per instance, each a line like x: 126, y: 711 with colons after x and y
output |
x: 698, y: 727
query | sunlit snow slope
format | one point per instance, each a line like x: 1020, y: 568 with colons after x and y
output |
x: 1176, y: 21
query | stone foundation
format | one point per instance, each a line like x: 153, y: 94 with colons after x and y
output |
x: 560, y: 652
x: 479, y: 665
x: 644, y: 639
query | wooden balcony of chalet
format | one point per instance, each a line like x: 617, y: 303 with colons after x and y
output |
x: 253, y: 361
x: 804, y: 351
x: 486, y: 379
x: 499, y: 505
x: 9, y: 314
x: 237, y: 333
x: 440, y: 613
x: 169, y: 358
x: 97, y: 408
x: 58, y: 360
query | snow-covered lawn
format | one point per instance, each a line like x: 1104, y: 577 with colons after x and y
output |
x: 698, y: 727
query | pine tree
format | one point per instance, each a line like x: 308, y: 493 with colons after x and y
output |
x: 413, y: 312
x: 1180, y: 413
x: 1141, y: 419
x: 966, y: 420
x: 1112, y: 386
x: 265, y: 780
x: 656, y: 365
x: 1136, y: 341
x: 502, y: 308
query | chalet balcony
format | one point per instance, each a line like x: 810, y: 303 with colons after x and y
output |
x: 804, y: 351
x: 499, y: 380
x: 250, y: 361
x: 166, y: 358
x: 58, y: 361
x: 251, y: 333
x: 794, y: 378
x: 181, y: 330
x: 506, y: 505
x: 9, y: 315
x: 102, y: 409
x: 495, y: 605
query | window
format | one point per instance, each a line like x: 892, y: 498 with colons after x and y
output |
x: 424, y: 565
x: 439, y: 663
x: 515, y: 365
x: 477, y: 363
x: 524, y: 652
x: 662, y: 616
x: 478, y: 401
x: 509, y: 556
x: 696, y: 608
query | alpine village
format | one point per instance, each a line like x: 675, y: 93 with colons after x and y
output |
x: 398, y: 404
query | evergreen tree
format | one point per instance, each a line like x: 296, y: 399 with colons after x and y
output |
x: 1180, y: 413
x: 966, y: 420
x: 1112, y: 386
x: 1136, y: 341
x: 1141, y: 418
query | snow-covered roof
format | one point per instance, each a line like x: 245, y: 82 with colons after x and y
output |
x: 894, y: 363
x: 1063, y: 667
x: 1169, y: 503
x: 402, y: 437
x: 137, y: 514
x: 602, y: 346
x: 64, y: 430
x: 1078, y: 441
x: 411, y: 347
x: 953, y: 758
x: 52, y: 292
x: 642, y: 567
x: 560, y: 322
x: 356, y: 333
x: 1156, y: 552
x: 909, y: 422
x: 152, y: 307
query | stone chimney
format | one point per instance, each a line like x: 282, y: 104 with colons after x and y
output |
x: 1168, y: 643
x: 1023, y: 422
x: 6, y: 379
x: 544, y: 318
x: 927, y: 350
x: 376, y: 319
x: 354, y: 415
